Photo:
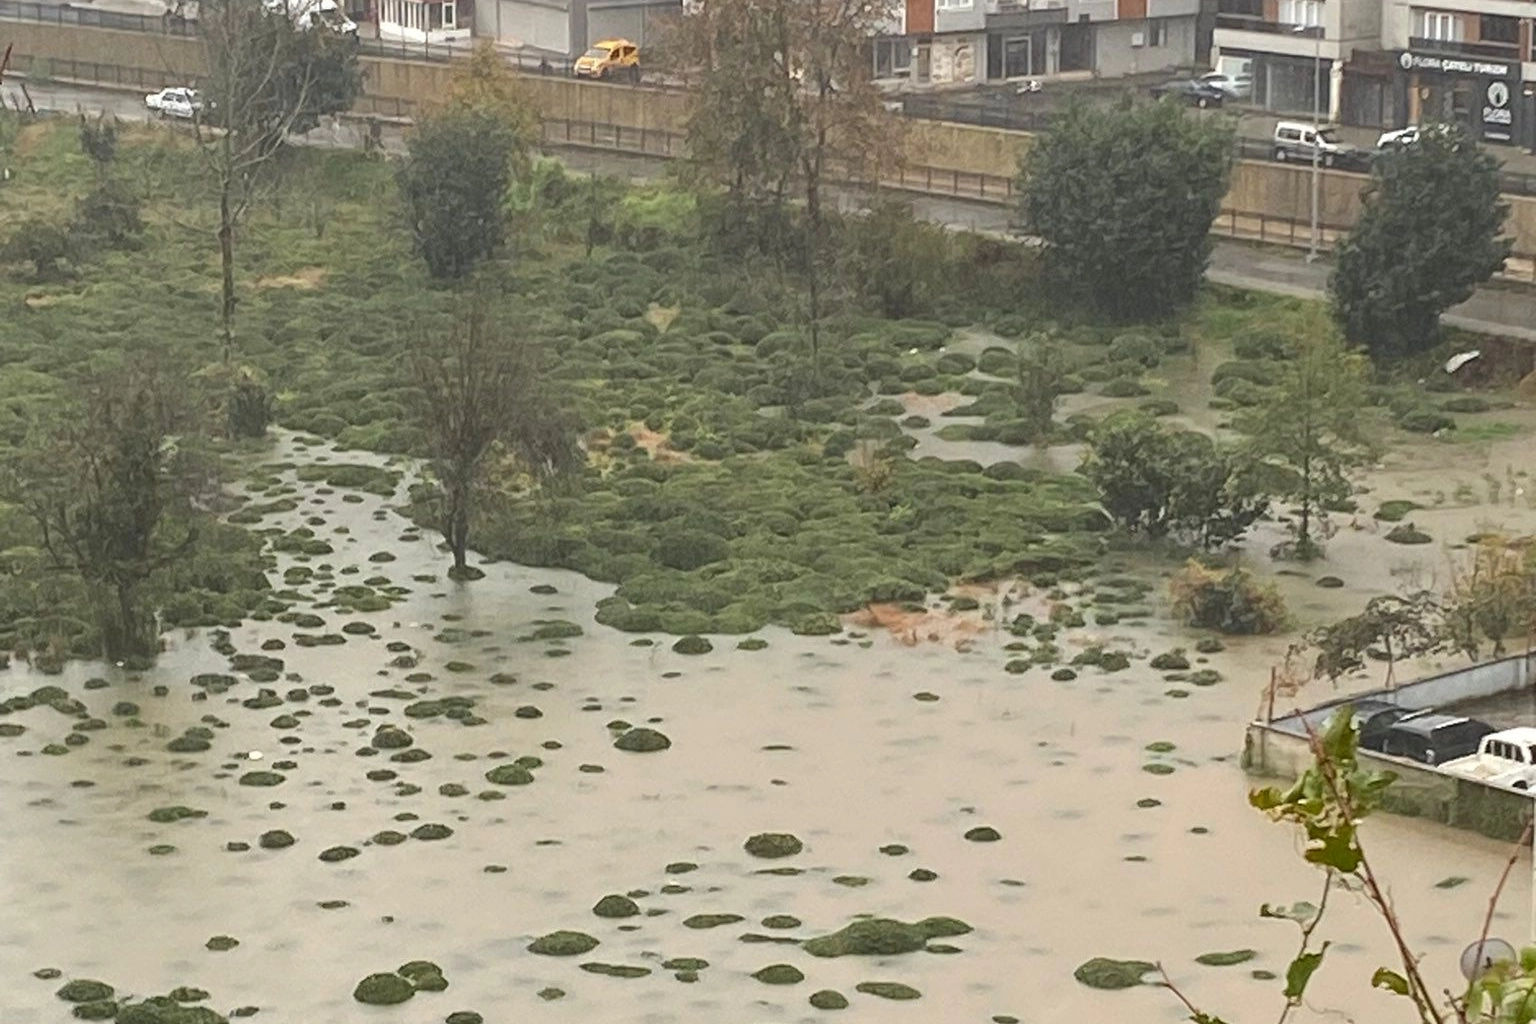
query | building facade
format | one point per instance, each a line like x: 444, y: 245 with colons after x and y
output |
x: 964, y: 42
x: 1464, y: 61
x: 566, y: 28
x: 1295, y: 51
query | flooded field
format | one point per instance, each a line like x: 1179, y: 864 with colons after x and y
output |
x: 1121, y: 822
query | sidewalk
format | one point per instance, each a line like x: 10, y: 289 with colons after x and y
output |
x: 1506, y: 312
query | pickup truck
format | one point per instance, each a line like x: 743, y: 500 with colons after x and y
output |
x: 1506, y: 758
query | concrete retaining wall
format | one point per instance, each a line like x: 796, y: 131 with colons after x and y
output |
x: 1419, y: 792
x: 1281, y: 748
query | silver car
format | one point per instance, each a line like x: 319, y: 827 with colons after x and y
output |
x: 1237, y: 87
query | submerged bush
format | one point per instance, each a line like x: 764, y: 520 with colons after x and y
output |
x: 1227, y: 600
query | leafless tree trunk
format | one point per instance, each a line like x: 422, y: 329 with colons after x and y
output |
x: 255, y: 93
x: 480, y: 393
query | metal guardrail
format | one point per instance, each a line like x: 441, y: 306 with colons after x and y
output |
x: 57, y: 14
x: 42, y: 69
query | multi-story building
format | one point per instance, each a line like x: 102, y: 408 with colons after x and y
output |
x: 955, y: 42
x: 1467, y: 61
x: 1295, y: 52
x: 1388, y: 63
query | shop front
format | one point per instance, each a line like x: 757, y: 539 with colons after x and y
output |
x: 1476, y: 92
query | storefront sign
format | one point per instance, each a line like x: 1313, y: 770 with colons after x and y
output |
x: 1409, y: 61
x: 1498, y: 115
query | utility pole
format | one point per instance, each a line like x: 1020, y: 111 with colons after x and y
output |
x: 1317, y: 153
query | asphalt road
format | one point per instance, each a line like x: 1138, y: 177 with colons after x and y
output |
x: 1506, y: 311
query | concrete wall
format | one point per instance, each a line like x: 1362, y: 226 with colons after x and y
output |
x: 636, y: 20
x: 1419, y: 791
x: 545, y: 25
x: 1094, y: 10
x: 1114, y: 55
x: 1359, y: 25
x: 1485, y: 679
x: 968, y: 19
x: 139, y: 50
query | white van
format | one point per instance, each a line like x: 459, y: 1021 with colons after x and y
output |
x: 1297, y: 141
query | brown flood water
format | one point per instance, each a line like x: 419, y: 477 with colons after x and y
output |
x: 818, y: 737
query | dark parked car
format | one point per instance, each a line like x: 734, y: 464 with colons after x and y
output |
x: 1372, y: 718
x: 1376, y: 722
x: 1192, y: 91
x: 1432, y: 738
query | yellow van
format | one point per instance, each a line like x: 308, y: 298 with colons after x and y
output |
x: 610, y: 58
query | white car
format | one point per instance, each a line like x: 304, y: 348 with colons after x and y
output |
x: 1506, y: 759
x: 181, y: 103
x: 1407, y: 136
x: 1237, y: 87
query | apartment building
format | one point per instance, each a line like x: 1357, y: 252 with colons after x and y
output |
x: 1295, y: 51
x: 1387, y: 63
x: 1467, y: 61
x: 961, y: 42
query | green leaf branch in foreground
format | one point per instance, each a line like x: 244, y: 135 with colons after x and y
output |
x: 1328, y: 803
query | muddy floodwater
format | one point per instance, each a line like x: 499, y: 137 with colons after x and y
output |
x: 852, y: 743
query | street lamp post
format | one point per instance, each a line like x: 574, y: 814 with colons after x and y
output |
x: 1317, y: 127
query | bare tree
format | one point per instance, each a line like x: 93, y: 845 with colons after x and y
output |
x: 107, y: 483
x: 783, y: 99
x: 481, y: 397
x: 267, y: 77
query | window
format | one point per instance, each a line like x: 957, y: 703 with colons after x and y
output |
x: 450, y: 16
x: 893, y: 58
x: 1441, y: 25
x: 1157, y: 32
x: 1495, y: 28
x: 1301, y: 12
x: 953, y: 5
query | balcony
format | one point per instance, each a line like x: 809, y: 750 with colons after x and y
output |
x: 1253, y: 23
x: 1025, y: 14
x: 1242, y: 33
x: 1495, y: 51
x: 1024, y: 6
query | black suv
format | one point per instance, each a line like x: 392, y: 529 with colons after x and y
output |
x: 1432, y: 738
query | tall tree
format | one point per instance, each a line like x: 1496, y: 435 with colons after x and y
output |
x: 462, y: 160
x: 1428, y: 236
x: 105, y: 482
x: 481, y: 397
x: 1154, y: 481
x: 1307, y: 430
x: 1124, y: 198
x: 783, y: 103
x: 267, y: 77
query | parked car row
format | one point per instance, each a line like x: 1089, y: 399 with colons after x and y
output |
x: 1429, y: 737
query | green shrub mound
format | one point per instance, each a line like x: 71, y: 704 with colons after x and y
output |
x: 383, y: 990
x: 1105, y: 973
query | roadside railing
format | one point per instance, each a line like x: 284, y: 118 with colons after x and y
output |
x: 45, y: 69
x: 58, y: 14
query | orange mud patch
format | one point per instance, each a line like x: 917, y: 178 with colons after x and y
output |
x: 953, y: 629
x: 655, y: 442
x: 661, y: 317
x: 307, y: 279
x: 932, y: 405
